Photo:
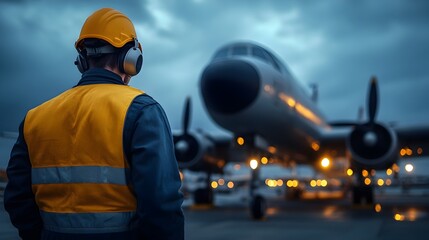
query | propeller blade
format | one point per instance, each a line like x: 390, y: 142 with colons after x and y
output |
x: 372, y: 100
x: 186, y: 115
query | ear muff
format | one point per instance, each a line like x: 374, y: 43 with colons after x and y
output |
x: 81, y: 62
x: 130, y: 60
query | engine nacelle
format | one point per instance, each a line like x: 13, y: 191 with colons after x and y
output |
x: 373, y: 146
x: 190, y: 149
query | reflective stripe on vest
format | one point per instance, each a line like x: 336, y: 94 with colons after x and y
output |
x: 87, y: 222
x: 80, y: 176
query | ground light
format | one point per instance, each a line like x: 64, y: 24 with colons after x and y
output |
x: 325, y: 162
x: 409, y: 167
x: 253, y: 164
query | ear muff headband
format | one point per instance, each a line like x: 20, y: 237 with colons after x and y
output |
x: 130, y: 60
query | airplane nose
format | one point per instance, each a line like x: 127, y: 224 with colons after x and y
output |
x: 229, y: 86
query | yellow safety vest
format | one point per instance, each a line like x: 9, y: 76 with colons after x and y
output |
x: 80, y: 175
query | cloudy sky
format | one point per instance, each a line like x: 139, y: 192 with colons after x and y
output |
x: 337, y: 44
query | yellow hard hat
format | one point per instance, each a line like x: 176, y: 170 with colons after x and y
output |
x: 109, y: 25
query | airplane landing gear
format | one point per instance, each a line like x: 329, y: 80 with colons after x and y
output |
x: 257, y: 202
x: 361, y: 193
x: 258, y: 207
x: 204, y: 196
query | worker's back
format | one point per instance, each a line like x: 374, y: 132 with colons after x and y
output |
x: 79, y: 172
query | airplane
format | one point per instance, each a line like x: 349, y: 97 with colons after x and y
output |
x: 249, y: 92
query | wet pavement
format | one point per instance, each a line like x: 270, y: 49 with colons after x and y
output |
x: 395, y: 217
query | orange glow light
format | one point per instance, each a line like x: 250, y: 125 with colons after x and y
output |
x: 377, y: 207
x: 315, y: 146
x: 409, y: 152
x: 367, y: 181
x: 389, y: 172
x: 305, y: 112
x: 240, y: 141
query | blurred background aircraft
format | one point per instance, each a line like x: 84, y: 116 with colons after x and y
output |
x: 250, y: 92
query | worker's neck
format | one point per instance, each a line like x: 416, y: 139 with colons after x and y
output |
x: 125, y: 78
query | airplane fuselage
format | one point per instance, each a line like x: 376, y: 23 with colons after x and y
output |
x: 246, y: 90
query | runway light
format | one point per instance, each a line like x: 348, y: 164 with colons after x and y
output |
x: 395, y: 167
x: 315, y: 146
x: 221, y: 181
x: 365, y: 173
x: 272, y: 183
x: 325, y: 162
x: 214, y: 184
x: 237, y: 167
x: 412, y: 214
x: 377, y: 207
x: 240, y: 141
x: 380, y: 182
x: 279, y: 182
x: 295, y: 183
x: 388, y: 182
x: 264, y: 160
x: 409, y: 167
x: 272, y: 149
x: 367, y: 181
x: 313, y: 183
x: 318, y: 182
x: 399, y: 217
x: 402, y: 152
x: 324, y: 183
x: 419, y: 151
x: 349, y: 172
x: 389, y: 172
x: 289, y: 183
x: 253, y: 164
x: 409, y: 152
x: 230, y: 184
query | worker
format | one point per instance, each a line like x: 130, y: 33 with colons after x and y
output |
x: 97, y: 161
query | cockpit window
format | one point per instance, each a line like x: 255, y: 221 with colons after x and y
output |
x: 221, y: 53
x: 259, y: 53
x: 239, y: 50
x: 273, y: 61
x: 265, y: 56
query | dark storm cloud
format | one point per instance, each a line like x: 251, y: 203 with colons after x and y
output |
x: 358, y: 39
x: 337, y: 44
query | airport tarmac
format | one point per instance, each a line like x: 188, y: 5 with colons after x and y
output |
x: 400, y: 217
x: 313, y: 219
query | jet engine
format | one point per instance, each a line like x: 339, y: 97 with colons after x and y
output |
x: 372, y: 145
x: 190, y: 149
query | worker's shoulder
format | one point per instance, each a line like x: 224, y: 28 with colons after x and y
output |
x: 144, y: 100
